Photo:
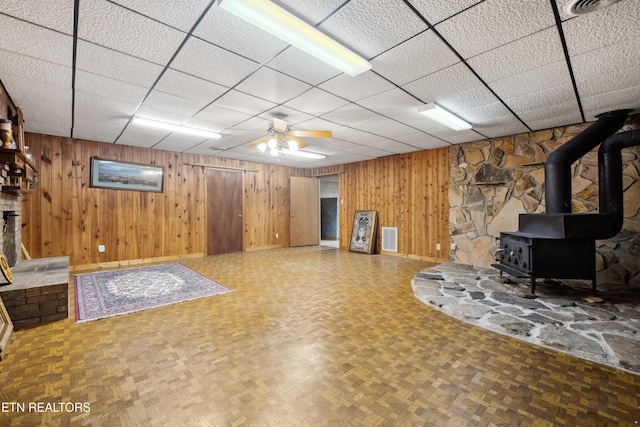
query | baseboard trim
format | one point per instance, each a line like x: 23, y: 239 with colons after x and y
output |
x: 133, y: 262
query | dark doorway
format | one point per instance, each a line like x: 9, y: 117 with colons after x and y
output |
x: 329, y: 218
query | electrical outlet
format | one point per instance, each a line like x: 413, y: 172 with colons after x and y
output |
x: 101, y: 248
x: 276, y: 235
x: 437, y: 246
x: 453, y: 246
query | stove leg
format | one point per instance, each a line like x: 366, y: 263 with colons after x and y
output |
x: 593, y: 284
x: 533, y: 284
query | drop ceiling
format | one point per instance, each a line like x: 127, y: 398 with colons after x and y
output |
x: 83, y: 69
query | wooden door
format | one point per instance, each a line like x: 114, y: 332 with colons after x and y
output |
x: 224, y: 211
x: 303, y: 212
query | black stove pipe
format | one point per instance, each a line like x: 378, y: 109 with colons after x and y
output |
x: 610, y: 176
x: 557, y: 169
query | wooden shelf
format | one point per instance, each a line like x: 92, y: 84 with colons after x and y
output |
x: 19, y: 167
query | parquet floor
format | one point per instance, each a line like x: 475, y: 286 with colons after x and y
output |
x: 310, y: 337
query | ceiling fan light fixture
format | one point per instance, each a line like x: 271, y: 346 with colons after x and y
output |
x: 281, y: 23
x: 274, y: 152
x: 444, y: 117
x: 272, y: 143
x: 262, y: 147
x: 293, y: 145
x: 175, y: 128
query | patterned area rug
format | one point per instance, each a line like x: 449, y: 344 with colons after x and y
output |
x: 111, y: 293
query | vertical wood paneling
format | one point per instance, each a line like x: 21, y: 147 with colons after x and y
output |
x: 65, y: 216
x: 409, y: 191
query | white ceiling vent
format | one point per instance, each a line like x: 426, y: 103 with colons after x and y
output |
x: 581, y: 7
x: 390, y: 239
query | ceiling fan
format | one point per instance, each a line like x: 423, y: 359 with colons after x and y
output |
x: 283, y: 139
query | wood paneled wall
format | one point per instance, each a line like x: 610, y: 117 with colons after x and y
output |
x: 409, y: 191
x: 64, y: 216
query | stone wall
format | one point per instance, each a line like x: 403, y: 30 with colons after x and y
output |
x: 493, y: 181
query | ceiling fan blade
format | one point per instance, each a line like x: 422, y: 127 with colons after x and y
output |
x: 259, y: 140
x: 279, y: 125
x: 311, y: 133
x: 301, y: 143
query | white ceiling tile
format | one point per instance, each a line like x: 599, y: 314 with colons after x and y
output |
x: 445, y: 83
x: 311, y: 11
x: 290, y: 115
x: 621, y: 58
x: 545, y: 99
x: 615, y: 24
x: 98, y: 131
x: 371, y: 28
x: 555, y: 75
x: 500, y: 22
x: 316, y: 102
x: 184, y: 85
x: 498, y: 126
x: 596, y: 84
x: 376, y: 125
x: 355, y: 88
x: 15, y: 67
x: 221, y: 28
x: 346, y: 133
x: 419, y: 140
x: 436, y: 11
x: 179, y: 142
x: 392, y: 147
x: 98, y: 108
x: 486, y: 113
x: 32, y: 40
x: 397, y: 132
x: 53, y: 14
x: 518, y: 57
x: 421, y: 55
x: 127, y: 31
x: 366, y: 139
x: 538, y: 120
x: 176, y: 13
x: 140, y: 137
x: 317, y: 124
x: 302, y: 66
x: 247, y: 104
x: 212, y: 63
x: 396, y: 104
x: 619, y: 100
x: 430, y: 143
x: 109, y: 88
x: 216, y: 119
x: 337, y: 144
x: 254, y: 124
x: 173, y: 103
x: 350, y: 115
x: 106, y: 62
x: 272, y: 86
x: 468, y: 100
x: 369, y: 152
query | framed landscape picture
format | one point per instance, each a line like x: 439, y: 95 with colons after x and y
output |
x: 126, y: 176
x: 363, y: 236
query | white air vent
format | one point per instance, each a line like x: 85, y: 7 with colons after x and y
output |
x: 580, y: 7
x: 390, y: 239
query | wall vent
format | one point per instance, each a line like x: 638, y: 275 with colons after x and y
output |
x: 390, y: 239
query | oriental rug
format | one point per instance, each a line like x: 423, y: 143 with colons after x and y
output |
x: 111, y: 293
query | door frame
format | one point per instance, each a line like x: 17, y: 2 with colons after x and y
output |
x: 206, y: 205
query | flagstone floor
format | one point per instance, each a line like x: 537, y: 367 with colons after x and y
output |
x: 311, y: 337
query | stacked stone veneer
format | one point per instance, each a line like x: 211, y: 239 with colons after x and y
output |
x: 493, y: 181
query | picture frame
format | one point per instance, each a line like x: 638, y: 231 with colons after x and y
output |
x: 117, y: 175
x: 363, y: 235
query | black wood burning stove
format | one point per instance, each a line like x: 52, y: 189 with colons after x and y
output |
x: 560, y: 244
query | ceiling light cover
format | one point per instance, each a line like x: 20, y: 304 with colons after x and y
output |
x: 275, y: 20
x: 176, y: 128
x: 304, y: 154
x: 444, y: 117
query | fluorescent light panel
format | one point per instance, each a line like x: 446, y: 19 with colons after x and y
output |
x: 176, y: 128
x: 275, y: 20
x: 444, y: 117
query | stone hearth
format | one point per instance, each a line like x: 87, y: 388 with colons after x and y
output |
x: 39, y: 293
x: 562, y: 315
